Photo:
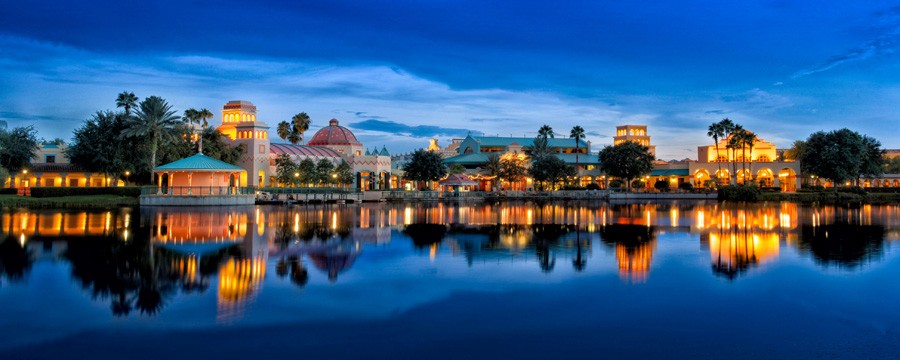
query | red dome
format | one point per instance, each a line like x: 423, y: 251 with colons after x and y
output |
x: 333, y: 134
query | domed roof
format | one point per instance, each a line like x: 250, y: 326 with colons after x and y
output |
x: 333, y: 134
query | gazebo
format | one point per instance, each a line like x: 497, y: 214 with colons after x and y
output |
x: 199, y: 180
x: 458, y: 182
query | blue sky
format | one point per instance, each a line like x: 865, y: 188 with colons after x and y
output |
x: 400, y: 72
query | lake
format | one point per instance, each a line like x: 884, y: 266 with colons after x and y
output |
x: 438, y: 280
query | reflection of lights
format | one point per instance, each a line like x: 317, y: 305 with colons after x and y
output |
x: 296, y: 222
x: 701, y: 219
x: 333, y: 220
x: 785, y: 220
x: 673, y: 217
x: 407, y: 216
x: 22, y: 240
x: 125, y: 235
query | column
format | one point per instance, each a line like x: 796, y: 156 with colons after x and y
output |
x: 190, y: 183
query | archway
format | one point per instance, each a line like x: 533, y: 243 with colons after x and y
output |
x: 743, y: 176
x: 700, y: 178
x: 765, y: 178
x: 262, y: 178
x: 723, y: 176
x: 788, y: 179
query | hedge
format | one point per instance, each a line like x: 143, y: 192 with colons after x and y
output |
x: 9, y: 191
x: 40, y: 192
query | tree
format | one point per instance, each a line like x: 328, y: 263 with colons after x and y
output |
x: 546, y: 132
x: 285, y: 169
x: 750, y: 140
x: 627, y: 160
x: 217, y: 146
x: 551, y: 169
x: 793, y: 154
x: 17, y: 147
x: 126, y: 100
x: 577, y: 133
x: 734, y: 142
x: 425, y: 166
x: 716, y: 131
x: 512, y: 169
x: 154, y: 121
x: 96, y: 146
x: 324, y: 171
x: 456, y: 169
x: 307, y: 170
x: 300, y: 124
x: 492, y: 166
x: 344, y: 173
x: 841, y: 155
x: 540, y: 148
x: 892, y: 165
x: 283, y: 130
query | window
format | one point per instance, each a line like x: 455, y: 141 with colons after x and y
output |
x: 51, y: 159
x: 262, y: 149
x: 763, y: 158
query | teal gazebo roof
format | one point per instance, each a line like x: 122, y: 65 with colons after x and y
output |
x: 199, y: 162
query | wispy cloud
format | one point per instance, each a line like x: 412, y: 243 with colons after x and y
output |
x: 885, y: 25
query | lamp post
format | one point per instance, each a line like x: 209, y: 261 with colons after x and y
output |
x: 296, y: 177
x: 127, y: 173
x: 333, y: 179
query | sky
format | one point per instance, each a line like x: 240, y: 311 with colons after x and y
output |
x: 400, y: 72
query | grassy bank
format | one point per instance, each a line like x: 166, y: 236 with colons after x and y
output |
x: 68, y: 202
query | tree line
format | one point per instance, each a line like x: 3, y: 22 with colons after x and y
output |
x: 310, y: 173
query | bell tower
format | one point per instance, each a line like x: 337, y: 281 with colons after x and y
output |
x: 239, y: 124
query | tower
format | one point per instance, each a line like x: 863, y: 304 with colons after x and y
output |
x: 240, y: 125
x: 635, y: 133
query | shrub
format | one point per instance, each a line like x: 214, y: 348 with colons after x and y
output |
x: 637, y: 184
x: 662, y: 185
x: 739, y: 193
x: 40, y: 192
x: 615, y: 184
x: 686, y: 186
x: 572, y: 187
x: 592, y: 186
x: 854, y: 190
x: 9, y: 191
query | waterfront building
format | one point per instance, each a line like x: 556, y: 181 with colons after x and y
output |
x: 334, y: 143
x: 473, y: 152
x: 51, y: 167
x: 634, y: 133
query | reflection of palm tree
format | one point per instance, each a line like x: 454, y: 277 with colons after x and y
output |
x: 579, y: 262
x: 15, y: 261
x: 299, y: 274
x: 424, y: 235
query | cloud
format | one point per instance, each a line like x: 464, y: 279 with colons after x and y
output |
x: 885, y: 25
x: 759, y: 99
x: 419, y: 131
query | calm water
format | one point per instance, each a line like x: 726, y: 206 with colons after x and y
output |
x: 453, y: 281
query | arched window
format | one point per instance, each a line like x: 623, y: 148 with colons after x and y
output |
x: 468, y: 150
x: 763, y: 158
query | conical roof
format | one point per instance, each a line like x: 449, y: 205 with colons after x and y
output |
x: 199, y: 162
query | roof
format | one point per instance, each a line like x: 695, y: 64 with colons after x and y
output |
x: 303, y: 150
x: 384, y: 151
x: 526, y: 141
x: 670, y: 172
x: 54, y: 168
x: 457, y: 180
x: 468, y: 159
x: 199, y: 162
x: 333, y: 134
x: 583, y: 159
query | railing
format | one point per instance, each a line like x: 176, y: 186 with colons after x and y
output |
x: 509, y: 194
x: 306, y: 190
x: 431, y: 195
x: 197, y: 190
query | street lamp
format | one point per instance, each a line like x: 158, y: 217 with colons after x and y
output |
x: 127, y: 173
x: 334, y: 178
x: 296, y: 176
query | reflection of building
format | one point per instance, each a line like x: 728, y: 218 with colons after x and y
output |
x: 634, y: 261
x: 332, y: 142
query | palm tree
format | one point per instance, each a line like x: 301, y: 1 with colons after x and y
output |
x: 577, y: 133
x: 546, y: 132
x: 191, y: 116
x: 716, y: 131
x: 492, y: 167
x: 204, y: 114
x: 154, y: 120
x: 284, y: 130
x: 300, y: 124
x: 730, y: 130
x: 126, y: 100
x: 749, y: 139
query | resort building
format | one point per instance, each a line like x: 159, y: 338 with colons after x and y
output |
x: 473, y: 153
x: 51, y: 167
x: 758, y: 163
x: 333, y: 143
x: 634, y: 133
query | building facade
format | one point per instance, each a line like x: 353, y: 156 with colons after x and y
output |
x: 51, y: 167
x: 334, y: 143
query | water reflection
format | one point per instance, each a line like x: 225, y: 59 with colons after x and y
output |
x: 137, y: 261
